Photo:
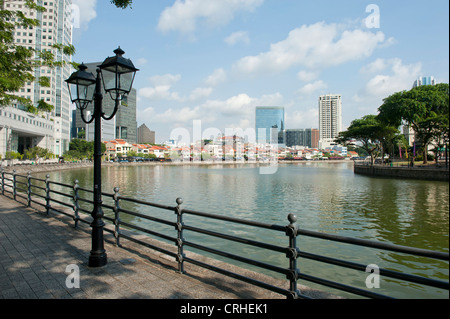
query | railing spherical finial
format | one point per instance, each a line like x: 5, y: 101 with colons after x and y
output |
x: 179, y: 201
x: 292, y: 218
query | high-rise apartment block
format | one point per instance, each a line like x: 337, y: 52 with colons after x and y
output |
x: 330, y: 119
x: 21, y: 130
x: 424, y: 80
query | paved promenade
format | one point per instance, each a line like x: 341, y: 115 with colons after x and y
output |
x: 36, y: 249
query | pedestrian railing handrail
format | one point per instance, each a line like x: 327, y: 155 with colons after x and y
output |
x: 52, y: 196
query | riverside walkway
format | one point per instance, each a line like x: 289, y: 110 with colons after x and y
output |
x: 36, y: 249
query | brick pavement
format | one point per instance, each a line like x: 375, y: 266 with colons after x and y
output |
x: 35, y: 250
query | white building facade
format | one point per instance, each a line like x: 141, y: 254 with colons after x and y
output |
x: 330, y: 119
x: 55, y: 28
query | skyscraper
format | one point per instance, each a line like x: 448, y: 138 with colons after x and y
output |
x: 269, y: 124
x: 145, y: 135
x: 330, y: 118
x: 55, y: 28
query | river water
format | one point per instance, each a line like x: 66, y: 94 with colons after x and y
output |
x: 326, y: 197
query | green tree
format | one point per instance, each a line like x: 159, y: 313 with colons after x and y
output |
x: 18, y: 63
x: 38, y: 152
x: 425, y: 109
x: 81, y: 149
x: 122, y: 3
x: 370, y: 132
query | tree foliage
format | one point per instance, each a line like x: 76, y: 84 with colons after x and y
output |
x: 18, y: 63
x: 425, y: 109
x: 81, y: 149
x: 370, y: 132
x: 122, y: 3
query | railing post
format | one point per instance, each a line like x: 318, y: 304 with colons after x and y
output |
x: 180, y: 239
x: 3, y: 181
x: 47, y: 194
x: 116, y: 216
x: 292, y: 254
x: 76, y: 205
x: 29, y: 188
x: 14, y: 184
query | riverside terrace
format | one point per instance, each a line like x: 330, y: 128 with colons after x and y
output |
x: 55, y: 198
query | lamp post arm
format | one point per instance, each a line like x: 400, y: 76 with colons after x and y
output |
x: 116, y: 108
x: 84, y: 119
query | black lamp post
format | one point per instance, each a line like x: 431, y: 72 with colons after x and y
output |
x: 117, y: 74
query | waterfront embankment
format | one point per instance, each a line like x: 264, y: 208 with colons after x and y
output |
x: 51, y: 167
x: 430, y: 173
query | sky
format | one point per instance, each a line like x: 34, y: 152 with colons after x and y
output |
x: 213, y: 61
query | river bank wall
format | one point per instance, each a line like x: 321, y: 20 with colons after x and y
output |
x: 51, y: 167
x: 430, y: 174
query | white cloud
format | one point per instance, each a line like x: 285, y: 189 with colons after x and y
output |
x: 397, y: 77
x: 314, y: 46
x: 241, y: 105
x: 303, y: 118
x: 217, y: 77
x: 200, y: 93
x: 307, y: 76
x: 312, y: 87
x: 84, y: 11
x: 238, y: 37
x: 162, y: 89
x: 184, y: 16
x: 376, y: 66
x: 166, y: 79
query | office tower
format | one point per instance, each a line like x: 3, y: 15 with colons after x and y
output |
x: 269, y: 124
x: 145, y: 135
x: 302, y: 137
x: 330, y: 119
x: 124, y: 124
x: 55, y: 28
x: 424, y: 80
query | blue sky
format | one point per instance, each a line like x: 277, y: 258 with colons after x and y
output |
x: 216, y: 60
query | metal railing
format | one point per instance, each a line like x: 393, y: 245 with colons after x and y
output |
x: 52, y: 196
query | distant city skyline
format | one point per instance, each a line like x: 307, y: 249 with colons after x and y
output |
x: 217, y: 62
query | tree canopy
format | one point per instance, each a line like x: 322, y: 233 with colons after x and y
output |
x: 425, y: 109
x: 370, y: 132
x: 18, y: 62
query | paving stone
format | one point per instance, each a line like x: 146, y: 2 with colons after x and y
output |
x: 35, y: 251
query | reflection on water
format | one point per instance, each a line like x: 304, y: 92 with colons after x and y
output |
x: 328, y: 198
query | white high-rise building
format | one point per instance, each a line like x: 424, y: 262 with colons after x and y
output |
x: 330, y: 119
x: 424, y: 80
x: 55, y: 28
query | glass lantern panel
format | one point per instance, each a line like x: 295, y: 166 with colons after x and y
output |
x: 126, y: 81
x: 109, y: 80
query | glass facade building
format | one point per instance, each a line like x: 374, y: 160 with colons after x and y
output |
x: 269, y: 125
x: 302, y: 137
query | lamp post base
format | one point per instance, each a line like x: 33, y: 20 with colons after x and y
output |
x: 98, y: 260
